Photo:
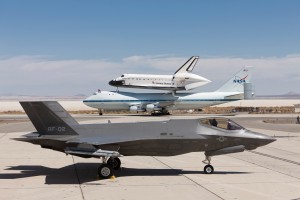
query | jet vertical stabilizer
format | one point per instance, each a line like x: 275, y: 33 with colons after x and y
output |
x: 49, y: 118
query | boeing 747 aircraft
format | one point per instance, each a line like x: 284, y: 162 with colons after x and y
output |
x: 182, y: 79
x: 160, y: 103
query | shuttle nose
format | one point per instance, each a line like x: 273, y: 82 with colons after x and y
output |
x: 115, y: 83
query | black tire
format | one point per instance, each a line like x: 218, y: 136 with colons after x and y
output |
x: 115, y: 163
x: 208, y: 169
x: 105, y: 171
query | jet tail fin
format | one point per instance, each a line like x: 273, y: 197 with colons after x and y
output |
x: 50, y: 118
x: 188, y: 66
x: 236, y: 83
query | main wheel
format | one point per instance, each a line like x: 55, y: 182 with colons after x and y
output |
x: 115, y: 163
x: 208, y: 169
x: 105, y: 171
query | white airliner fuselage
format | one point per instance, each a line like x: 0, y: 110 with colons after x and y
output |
x: 141, y: 102
x: 181, y: 80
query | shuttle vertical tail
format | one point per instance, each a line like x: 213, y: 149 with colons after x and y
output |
x: 188, y: 66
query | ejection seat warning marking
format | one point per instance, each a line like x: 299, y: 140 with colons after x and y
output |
x: 56, y: 129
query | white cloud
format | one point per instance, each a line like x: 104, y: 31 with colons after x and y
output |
x: 41, y: 75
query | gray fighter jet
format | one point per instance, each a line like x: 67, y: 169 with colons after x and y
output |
x: 57, y: 130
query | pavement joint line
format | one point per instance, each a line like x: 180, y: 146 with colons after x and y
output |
x: 3, y: 135
x: 275, y: 157
x: 266, y: 167
x: 282, y: 150
x: 79, y: 183
x: 189, y: 178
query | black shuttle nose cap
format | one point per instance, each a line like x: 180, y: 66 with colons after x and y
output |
x: 115, y: 83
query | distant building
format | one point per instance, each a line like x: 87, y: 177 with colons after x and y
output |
x: 297, y: 108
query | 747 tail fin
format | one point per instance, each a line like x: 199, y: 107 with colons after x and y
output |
x: 49, y: 118
x: 236, y: 83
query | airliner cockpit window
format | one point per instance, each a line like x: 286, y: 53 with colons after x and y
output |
x: 222, y: 123
x: 122, y: 75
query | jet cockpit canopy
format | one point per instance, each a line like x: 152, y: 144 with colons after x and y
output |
x: 222, y: 123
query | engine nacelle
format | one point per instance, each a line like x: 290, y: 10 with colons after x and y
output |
x: 235, y: 149
x: 136, y: 109
x: 152, y: 107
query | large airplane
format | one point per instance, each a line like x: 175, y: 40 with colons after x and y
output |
x: 57, y: 130
x: 160, y: 103
x: 182, y: 79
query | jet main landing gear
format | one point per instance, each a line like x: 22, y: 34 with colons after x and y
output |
x: 208, y: 169
x: 106, y: 169
x: 115, y: 163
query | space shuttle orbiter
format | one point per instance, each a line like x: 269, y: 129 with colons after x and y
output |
x: 182, y: 79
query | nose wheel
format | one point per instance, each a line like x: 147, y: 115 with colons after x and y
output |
x: 208, y: 169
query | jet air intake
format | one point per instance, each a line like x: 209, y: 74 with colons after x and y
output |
x: 234, y: 149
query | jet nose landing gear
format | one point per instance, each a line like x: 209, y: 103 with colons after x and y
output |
x: 208, y: 169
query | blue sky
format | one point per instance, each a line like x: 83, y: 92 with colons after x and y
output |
x: 83, y: 31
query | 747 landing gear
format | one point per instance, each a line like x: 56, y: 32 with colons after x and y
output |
x: 208, y: 169
x: 106, y: 169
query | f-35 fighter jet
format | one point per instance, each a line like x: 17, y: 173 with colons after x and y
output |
x: 57, y: 130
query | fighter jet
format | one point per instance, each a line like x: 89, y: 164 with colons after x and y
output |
x: 182, y: 79
x: 161, y: 103
x: 57, y: 130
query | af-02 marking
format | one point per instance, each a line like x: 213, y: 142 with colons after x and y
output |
x: 56, y: 128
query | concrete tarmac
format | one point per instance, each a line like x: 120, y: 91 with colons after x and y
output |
x: 272, y: 172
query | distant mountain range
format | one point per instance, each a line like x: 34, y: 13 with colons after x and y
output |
x: 289, y: 95
x: 7, y: 97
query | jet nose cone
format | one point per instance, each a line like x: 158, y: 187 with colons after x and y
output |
x: 265, y: 139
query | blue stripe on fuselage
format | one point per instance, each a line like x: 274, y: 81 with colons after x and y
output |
x: 156, y: 100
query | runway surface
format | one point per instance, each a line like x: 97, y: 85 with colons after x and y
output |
x: 271, y: 172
